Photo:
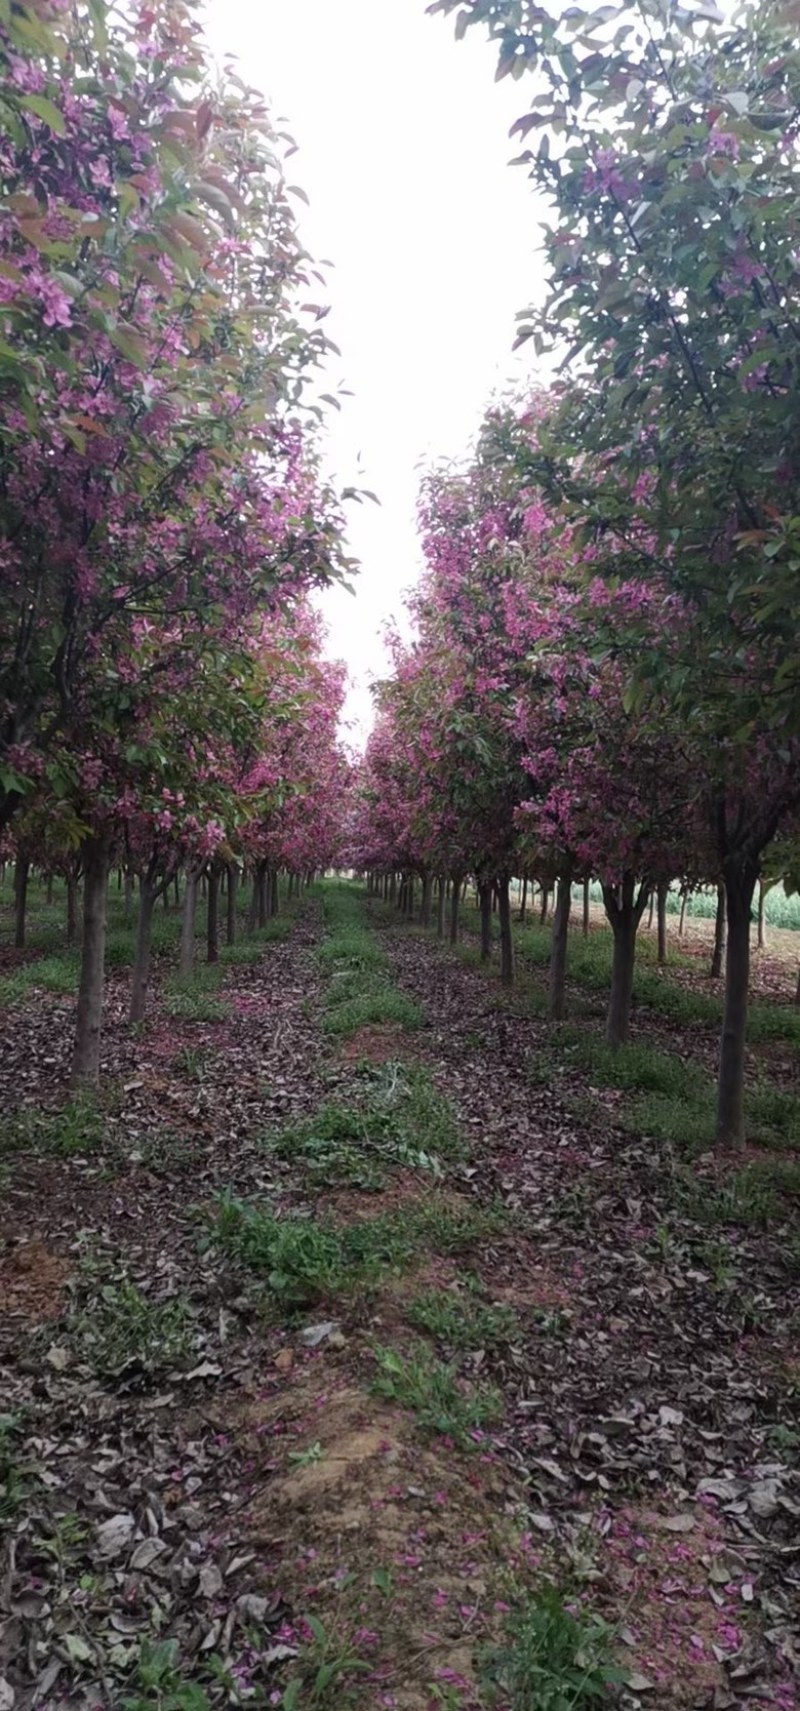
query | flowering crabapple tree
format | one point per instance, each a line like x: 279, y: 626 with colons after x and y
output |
x: 153, y: 475
x: 670, y: 294
x: 603, y: 800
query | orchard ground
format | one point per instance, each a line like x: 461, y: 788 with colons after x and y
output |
x: 362, y: 1308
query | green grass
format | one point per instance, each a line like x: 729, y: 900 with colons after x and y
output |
x: 402, y: 1120
x: 279, y: 927
x: 58, y: 974
x: 435, y: 1392
x: 116, y: 1328
x: 422, y: 1119
x: 166, y: 1152
x: 774, y: 1117
x: 686, y: 1124
x: 243, y: 953
x: 461, y: 1322
x: 381, y: 1007
x: 635, y: 1067
x: 191, y: 998
x: 359, y: 993
x: 196, y: 1007
x: 193, y: 1061
x: 120, y: 947
x: 341, y: 1144
x: 353, y: 945
x: 763, y: 1195
x: 773, y: 1022
x: 670, y: 1098
x: 305, y: 1260
x: 13, y: 1484
x: 77, y: 1129
x: 554, y: 1658
x: 324, y: 1672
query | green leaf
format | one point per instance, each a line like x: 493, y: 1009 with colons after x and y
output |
x: 77, y: 1648
x: 130, y: 345
x: 46, y: 110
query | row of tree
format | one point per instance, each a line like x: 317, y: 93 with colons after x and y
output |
x: 603, y: 678
x: 164, y: 700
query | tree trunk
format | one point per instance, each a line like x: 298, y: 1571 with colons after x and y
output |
x: 393, y: 888
x: 441, y: 902
x: 21, y: 872
x: 740, y: 883
x: 128, y: 898
x: 684, y: 901
x: 410, y: 897
x: 141, y: 964
x: 86, y: 1055
x: 427, y: 894
x: 523, y: 899
x: 545, y: 901
x: 233, y: 893
x: 558, y: 948
x: 662, y: 922
x: 485, y: 905
x: 624, y: 910
x: 49, y: 891
x: 212, y: 919
x: 72, y: 909
x: 455, y: 891
x: 651, y: 911
x: 762, y: 898
x: 719, y: 935
x: 262, y: 882
x: 503, y: 893
x: 186, y: 963
x: 274, y: 894
x: 586, y: 911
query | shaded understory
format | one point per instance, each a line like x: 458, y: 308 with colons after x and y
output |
x: 363, y: 1307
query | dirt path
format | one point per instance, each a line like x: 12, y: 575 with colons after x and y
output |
x: 305, y: 1385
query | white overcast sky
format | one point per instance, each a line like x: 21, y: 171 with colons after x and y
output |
x: 403, y: 152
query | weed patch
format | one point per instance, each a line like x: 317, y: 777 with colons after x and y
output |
x: 323, y: 1671
x: 77, y: 1129
x: 306, y: 1261
x: 194, y: 1006
x: 460, y: 1322
x: 441, y: 1400
x: 380, y: 1005
x: 764, y: 1195
x: 554, y: 1658
x: 636, y: 1067
x: 117, y: 1329
x: 12, y: 1474
x: 687, y: 1126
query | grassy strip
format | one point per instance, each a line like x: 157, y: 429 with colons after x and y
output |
x: 589, y: 967
x: 360, y: 992
x: 52, y: 968
x: 77, y: 1129
x: 399, y: 1119
x: 306, y: 1261
x: 673, y: 1102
